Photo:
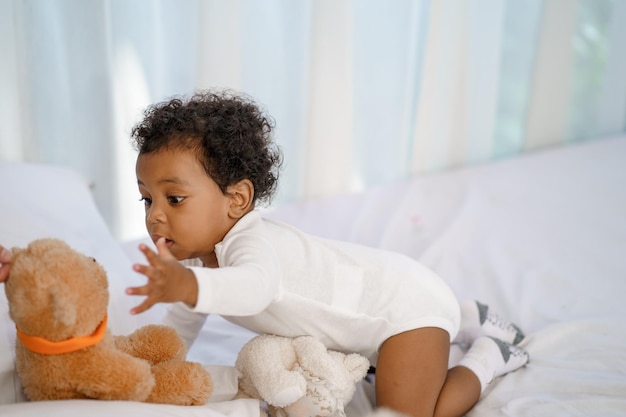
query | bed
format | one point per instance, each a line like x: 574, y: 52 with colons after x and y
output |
x: 540, y: 237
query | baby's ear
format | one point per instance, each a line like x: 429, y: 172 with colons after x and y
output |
x: 242, y: 198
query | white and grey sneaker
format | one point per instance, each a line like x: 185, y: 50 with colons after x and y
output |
x: 478, y: 320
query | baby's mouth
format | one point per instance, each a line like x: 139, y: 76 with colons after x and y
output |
x: 168, y: 242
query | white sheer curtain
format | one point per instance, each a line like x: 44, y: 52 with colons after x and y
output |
x: 363, y: 92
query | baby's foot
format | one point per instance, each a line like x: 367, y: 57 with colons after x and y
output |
x: 513, y: 357
x: 478, y: 320
x: 490, y: 358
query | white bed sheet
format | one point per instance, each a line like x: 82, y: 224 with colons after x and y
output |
x: 541, y: 238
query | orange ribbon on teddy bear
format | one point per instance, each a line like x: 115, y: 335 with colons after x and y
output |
x: 46, y: 347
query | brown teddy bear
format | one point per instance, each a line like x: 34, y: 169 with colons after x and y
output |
x: 58, y: 299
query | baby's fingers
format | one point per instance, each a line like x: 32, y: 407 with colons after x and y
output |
x: 143, y: 269
x: 144, y: 290
x: 4, y: 272
x: 151, y: 256
x: 5, y: 255
x: 147, y: 303
x: 163, y: 250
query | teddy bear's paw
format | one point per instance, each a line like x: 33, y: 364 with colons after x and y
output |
x: 357, y: 366
x: 154, y: 343
x: 181, y: 383
x: 314, y: 406
x: 286, y: 396
x: 323, y: 398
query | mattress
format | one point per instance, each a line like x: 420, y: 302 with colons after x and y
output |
x: 541, y: 238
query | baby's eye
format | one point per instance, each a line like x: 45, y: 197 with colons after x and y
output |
x: 146, y: 201
x: 175, y: 200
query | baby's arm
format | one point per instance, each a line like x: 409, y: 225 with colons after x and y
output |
x: 168, y: 280
x: 245, y: 285
x: 412, y: 376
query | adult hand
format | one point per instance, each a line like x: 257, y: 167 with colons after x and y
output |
x: 5, y: 262
x: 168, y: 280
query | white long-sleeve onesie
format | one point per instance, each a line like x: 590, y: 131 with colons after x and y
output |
x: 273, y: 278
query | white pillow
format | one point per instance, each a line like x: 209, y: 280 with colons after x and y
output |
x: 46, y: 201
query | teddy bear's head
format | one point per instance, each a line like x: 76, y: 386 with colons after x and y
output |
x: 55, y: 292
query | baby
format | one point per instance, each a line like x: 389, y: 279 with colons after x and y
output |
x: 204, y: 164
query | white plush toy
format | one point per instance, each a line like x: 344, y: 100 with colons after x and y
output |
x: 299, y: 377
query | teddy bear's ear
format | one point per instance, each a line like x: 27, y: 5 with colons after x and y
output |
x: 64, y: 308
x: 356, y: 365
x: 15, y: 250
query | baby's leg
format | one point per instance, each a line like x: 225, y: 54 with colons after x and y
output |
x: 478, y: 320
x: 489, y: 358
x: 412, y: 376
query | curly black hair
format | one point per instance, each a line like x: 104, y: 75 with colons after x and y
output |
x: 229, y: 132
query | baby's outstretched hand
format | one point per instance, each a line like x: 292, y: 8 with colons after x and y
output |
x: 5, y: 263
x: 168, y: 280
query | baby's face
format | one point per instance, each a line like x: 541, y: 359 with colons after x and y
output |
x: 183, y: 204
